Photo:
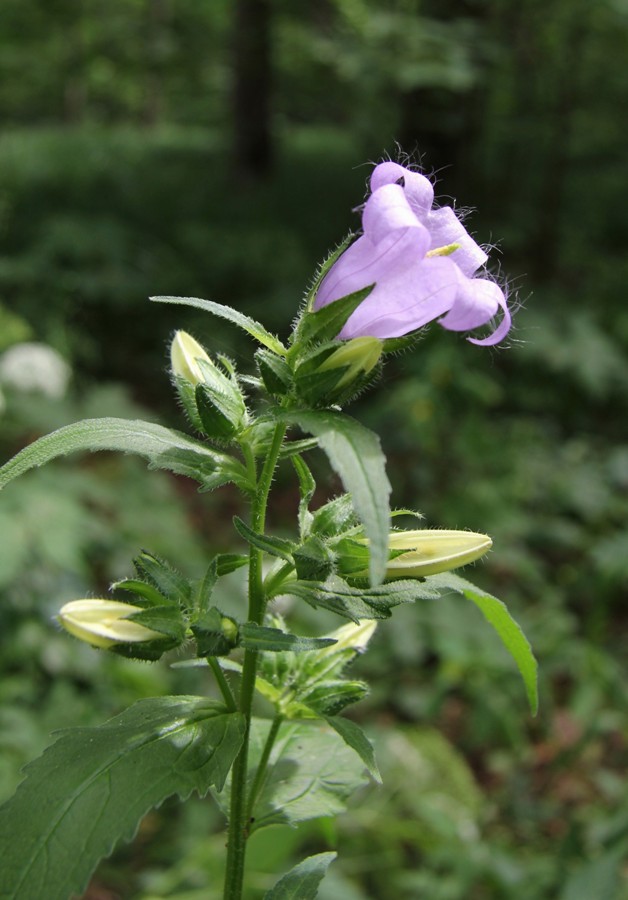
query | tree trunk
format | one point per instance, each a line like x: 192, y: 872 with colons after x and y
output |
x: 252, y: 88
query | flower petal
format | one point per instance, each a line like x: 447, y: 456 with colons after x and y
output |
x: 404, y: 301
x: 446, y: 228
x: 477, y: 302
x: 417, y: 188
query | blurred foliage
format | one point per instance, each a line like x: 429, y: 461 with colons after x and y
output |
x: 117, y: 181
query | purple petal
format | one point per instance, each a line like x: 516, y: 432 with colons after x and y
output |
x: 403, y: 301
x: 477, y: 302
x: 417, y: 188
x: 446, y: 228
x: 393, y: 240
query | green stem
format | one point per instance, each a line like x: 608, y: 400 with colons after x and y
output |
x: 260, y: 774
x: 223, y: 684
x: 238, y: 820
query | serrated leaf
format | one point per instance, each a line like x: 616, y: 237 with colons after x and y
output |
x: 255, y: 329
x: 355, y: 454
x: 273, y: 545
x: 361, y: 603
x: 354, y: 737
x: 302, y: 881
x: 92, y: 787
x: 496, y: 614
x: 311, y: 773
x: 264, y: 638
x: 326, y: 323
x: 164, y: 448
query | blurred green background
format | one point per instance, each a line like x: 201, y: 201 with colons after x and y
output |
x: 217, y: 149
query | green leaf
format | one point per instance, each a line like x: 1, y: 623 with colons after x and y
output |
x: 307, y: 486
x: 325, y: 324
x: 205, y: 588
x: 292, y: 447
x: 231, y: 315
x: 361, y: 603
x: 92, y: 787
x: 497, y: 615
x: 311, y: 773
x: 163, y: 447
x: 302, y: 881
x: 335, y: 517
x: 354, y: 737
x: 163, y: 576
x: 356, y: 455
x: 261, y: 637
x: 273, y: 545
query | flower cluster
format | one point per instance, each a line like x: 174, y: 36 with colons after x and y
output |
x: 421, y: 261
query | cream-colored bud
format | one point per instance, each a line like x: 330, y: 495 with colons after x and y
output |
x: 103, y: 623
x: 360, y: 355
x: 184, y: 353
x: 430, y: 551
x: 354, y: 636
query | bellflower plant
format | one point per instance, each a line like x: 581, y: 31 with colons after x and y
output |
x: 412, y: 264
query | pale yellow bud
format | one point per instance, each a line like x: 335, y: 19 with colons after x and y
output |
x: 432, y: 551
x: 360, y: 355
x: 103, y: 623
x: 184, y: 353
x: 354, y: 636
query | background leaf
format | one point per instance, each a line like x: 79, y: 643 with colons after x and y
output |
x: 92, y: 787
x: 355, y: 454
x: 302, y: 881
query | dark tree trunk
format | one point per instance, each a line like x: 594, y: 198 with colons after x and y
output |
x: 252, y: 87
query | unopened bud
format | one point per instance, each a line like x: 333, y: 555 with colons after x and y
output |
x: 359, y: 355
x: 430, y: 551
x: 105, y: 623
x: 185, y: 352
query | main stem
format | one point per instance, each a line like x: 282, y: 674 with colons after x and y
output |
x: 238, y: 821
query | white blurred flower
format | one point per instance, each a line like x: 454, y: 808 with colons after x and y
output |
x: 35, y: 367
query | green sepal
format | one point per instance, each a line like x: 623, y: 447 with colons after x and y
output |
x: 147, y: 651
x: 274, y: 640
x: 291, y: 448
x: 325, y: 324
x: 144, y: 594
x: 215, y: 633
x: 307, y: 486
x: 313, y: 560
x: 205, y: 588
x: 168, y: 581
x: 275, y: 373
x: 229, y: 562
x: 330, y: 697
x: 214, y: 414
x: 186, y: 393
x: 272, y: 545
x: 335, y: 517
x: 322, y: 270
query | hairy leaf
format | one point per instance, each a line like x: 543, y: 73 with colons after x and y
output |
x: 361, y: 603
x: 261, y: 637
x: 302, y: 881
x: 163, y: 447
x: 354, y: 737
x: 356, y: 455
x: 92, y: 787
x: 497, y: 615
x: 231, y: 315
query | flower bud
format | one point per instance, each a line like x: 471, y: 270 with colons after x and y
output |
x: 105, y: 623
x: 185, y: 352
x: 429, y: 551
x: 337, y: 371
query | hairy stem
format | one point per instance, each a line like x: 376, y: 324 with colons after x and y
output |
x: 238, y: 821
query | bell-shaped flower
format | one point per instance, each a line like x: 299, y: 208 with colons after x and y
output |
x: 422, y: 261
x: 105, y: 623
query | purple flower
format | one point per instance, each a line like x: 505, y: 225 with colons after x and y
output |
x: 406, y: 251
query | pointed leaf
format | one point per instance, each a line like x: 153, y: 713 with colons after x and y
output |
x: 92, y: 787
x: 354, y: 737
x: 273, y: 545
x: 497, y: 615
x: 302, y: 881
x: 356, y: 455
x: 307, y: 486
x: 361, y: 603
x: 231, y: 315
x: 167, y: 580
x: 261, y: 637
x: 325, y: 324
x: 163, y: 447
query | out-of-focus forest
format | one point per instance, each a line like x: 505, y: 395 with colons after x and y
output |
x: 217, y: 149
